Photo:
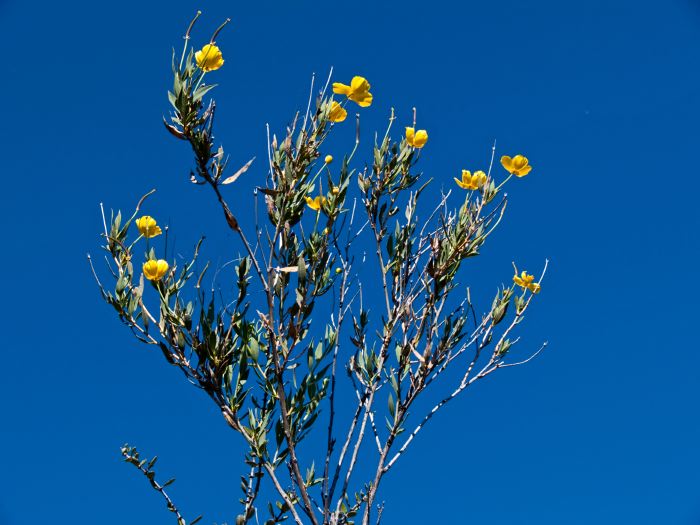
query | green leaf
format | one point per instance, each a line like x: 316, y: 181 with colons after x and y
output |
x: 201, y: 91
x: 301, y: 263
x: 121, y: 284
x: 253, y: 349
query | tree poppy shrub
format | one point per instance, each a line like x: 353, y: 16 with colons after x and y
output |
x: 270, y: 360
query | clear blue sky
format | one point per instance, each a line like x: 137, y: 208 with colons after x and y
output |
x: 604, y: 97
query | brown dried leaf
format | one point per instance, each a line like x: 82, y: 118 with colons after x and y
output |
x: 240, y: 172
x: 174, y: 131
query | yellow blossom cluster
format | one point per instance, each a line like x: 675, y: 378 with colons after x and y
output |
x: 153, y: 270
x: 518, y: 166
x: 358, y: 92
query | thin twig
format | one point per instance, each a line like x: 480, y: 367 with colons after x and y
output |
x: 134, y: 460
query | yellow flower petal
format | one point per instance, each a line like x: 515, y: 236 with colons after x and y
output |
x: 359, y: 84
x: 337, y: 112
x: 507, y: 163
x: 364, y: 100
x: 209, y: 58
x: 460, y: 183
x: 534, y: 288
x: 162, y: 268
x: 341, y: 89
x: 420, y: 138
x: 522, y: 172
x: 519, y: 162
x: 410, y: 134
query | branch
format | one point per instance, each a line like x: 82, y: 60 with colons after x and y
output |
x: 131, y: 455
x: 283, y: 493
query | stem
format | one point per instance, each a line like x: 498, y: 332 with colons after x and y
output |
x: 187, y: 38
x: 216, y: 33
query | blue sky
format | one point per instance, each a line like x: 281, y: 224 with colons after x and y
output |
x: 603, y: 97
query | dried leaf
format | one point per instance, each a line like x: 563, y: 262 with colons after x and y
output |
x: 174, y: 131
x: 240, y: 172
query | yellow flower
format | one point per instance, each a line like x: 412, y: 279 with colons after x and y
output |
x: 337, y: 112
x: 155, y: 270
x: 357, y: 91
x: 525, y: 280
x: 209, y: 58
x: 328, y: 159
x: 335, y: 190
x: 518, y: 165
x: 315, y: 203
x: 471, y: 182
x: 417, y: 139
x: 148, y: 227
